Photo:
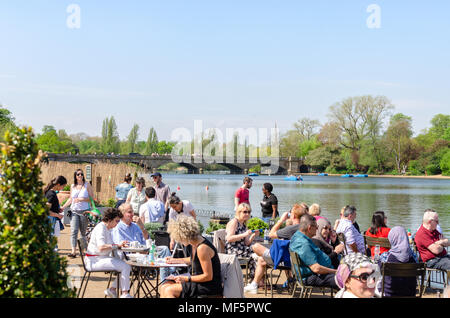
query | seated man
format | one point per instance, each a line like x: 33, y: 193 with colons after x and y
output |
x: 153, y: 210
x: 275, y: 233
x: 353, y: 239
x: 129, y: 231
x: 431, y: 243
x: 316, y: 268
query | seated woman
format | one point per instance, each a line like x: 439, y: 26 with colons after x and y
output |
x: 99, y: 256
x: 378, y: 229
x: 206, y: 271
x: 400, y: 252
x: 323, y: 240
x: 239, y: 239
x: 357, y: 277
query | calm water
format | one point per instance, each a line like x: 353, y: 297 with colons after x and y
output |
x: 404, y: 200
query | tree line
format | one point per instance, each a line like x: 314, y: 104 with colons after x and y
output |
x: 363, y: 134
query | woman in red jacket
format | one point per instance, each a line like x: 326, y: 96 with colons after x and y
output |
x: 378, y: 229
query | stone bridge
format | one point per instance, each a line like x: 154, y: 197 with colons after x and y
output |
x: 195, y: 165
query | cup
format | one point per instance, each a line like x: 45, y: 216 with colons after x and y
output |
x: 135, y: 244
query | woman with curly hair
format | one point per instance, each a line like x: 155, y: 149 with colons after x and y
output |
x: 205, y: 278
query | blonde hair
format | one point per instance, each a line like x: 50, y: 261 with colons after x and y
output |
x: 184, y: 229
x: 240, y: 208
x: 315, y: 209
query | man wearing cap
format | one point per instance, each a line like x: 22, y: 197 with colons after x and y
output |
x: 162, y: 193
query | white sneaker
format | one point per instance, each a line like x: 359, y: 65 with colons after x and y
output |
x: 110, y: 293
x: 251, y: 288
x: 126, y: 296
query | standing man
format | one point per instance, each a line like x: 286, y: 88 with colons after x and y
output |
x: 431, y: 243
x: 242, y: 194
x: 162, y: 193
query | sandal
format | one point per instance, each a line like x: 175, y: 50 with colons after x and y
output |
x: 72, y: 255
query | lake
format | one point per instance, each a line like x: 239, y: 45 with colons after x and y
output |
x: 403, y: 199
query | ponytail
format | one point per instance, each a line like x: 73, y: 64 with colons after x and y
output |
x: 174, y: 199
x: 61, y: 180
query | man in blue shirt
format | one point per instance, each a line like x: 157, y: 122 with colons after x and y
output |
x: 316, y: 268
x: 128, y: 230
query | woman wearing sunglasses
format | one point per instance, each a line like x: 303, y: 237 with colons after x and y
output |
x: 324, y: 241
x: 80, y: 194
x: 357, y: 277
x: 239, y: 238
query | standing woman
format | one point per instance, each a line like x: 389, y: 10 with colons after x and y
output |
x: 80, y: 194
x: 239, y: 238
x: 136, y: 196
x: 269, y: 203
x: 123, y: 189
x: 56, y: 184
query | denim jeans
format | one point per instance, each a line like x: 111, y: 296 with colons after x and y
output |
x: 78, y: 222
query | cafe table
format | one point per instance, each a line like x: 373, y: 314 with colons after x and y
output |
x: 143, y: 274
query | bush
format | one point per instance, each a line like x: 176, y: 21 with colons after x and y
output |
x: 111, y: 203
x: 213, y: 226
x: 257, y: 224
x: 151, y: 227
x: 29, y: 265
x: 433, y: 169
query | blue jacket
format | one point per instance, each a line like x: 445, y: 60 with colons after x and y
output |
x: 279, y: 251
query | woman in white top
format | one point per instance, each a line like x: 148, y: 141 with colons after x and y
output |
x: 98, y: 254
x: 136, y: 196
x: 80, y: 194
x: 178, y: 207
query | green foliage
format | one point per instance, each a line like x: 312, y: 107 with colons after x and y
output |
x: 29, y: 265
x: 445, y: 163
x: 151, y: 227
x: 256, y: 169
x: 111, y: 203
x: 110, y: 136
x: 213, y: 226
x: 51, y: 141
x: 66, y: 187
x: 257, y: 224
x: 201, y: 227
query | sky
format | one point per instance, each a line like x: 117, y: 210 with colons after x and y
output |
x: 228, y: 63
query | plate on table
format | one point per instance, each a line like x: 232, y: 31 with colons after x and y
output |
x: 135, y: 249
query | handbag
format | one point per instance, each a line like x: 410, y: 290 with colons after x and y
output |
x: 69, y: 213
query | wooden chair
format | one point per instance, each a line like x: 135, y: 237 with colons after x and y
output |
x: 341, y: 238
x: 82, y: 246
x: 270, y: 277
x: 305, y: 290
x: 372, y: 241
x: 434, y: 275
x: 417, y: 270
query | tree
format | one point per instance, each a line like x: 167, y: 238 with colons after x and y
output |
x: 307, y: 128
x: 439, y: 125
x: 359, y: 118
x: 399, y: 143
x: 110, y: 136
x: 30, y: 266
x: 6, y: 121
x: 151, y: 145
x: 132, y: 138
x: 51, y: 141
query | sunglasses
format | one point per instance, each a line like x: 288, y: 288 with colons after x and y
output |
x: 326, y: 228
x: 79, y: 174
x: 246, y: 212
x: 363, y: 277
